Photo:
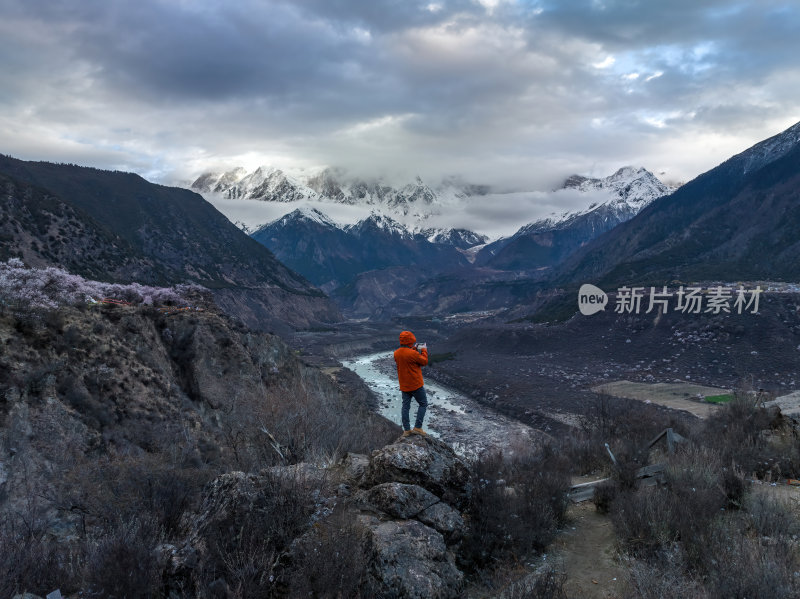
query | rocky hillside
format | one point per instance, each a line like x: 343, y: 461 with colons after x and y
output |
x: 113, y: 417
x: 128, y: 378
x: 738, y: 221
x: 156, y: 451
x: 43, y: 230
x: 118, y: 227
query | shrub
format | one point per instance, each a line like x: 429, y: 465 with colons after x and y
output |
x: 737, y: 430
x: 49, y: 288
x: 702, y: 534
x: 517, y: 504
x: 604, y: 495
x: 31, y: 561
x: 585, y: 450
x: 770, y: 517
x: 665, y: 578
x: 546, y: 584
x: 244, y: 545
x: 648, y: 520
x: 38, y: 379
x: 108, y: 489
x: 741, y: 566
x: 628, y: 420
x: 300, y: 420
x: 28, y: 323
x: 123, y: 560
x: 627, y: 426
x: 643, y: 520
x: 331, y: 560
x: 626, y: 471
x: 734, y: 486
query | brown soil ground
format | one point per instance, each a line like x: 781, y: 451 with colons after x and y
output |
x: 586, y: 550
x: 677, y: 396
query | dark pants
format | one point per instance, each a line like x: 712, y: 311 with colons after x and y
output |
x: 422, y: 402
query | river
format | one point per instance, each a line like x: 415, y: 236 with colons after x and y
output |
x: 469, y: 427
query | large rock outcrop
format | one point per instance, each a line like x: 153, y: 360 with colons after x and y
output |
x: 400, y: 500
x: 407, y: 536
x: 409, y: 559
x: 408, y: 492
x: 423, y: 461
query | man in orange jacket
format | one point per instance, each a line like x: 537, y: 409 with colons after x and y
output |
x: 410, y: 359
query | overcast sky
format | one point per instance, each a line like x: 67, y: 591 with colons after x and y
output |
x: 512, y: 92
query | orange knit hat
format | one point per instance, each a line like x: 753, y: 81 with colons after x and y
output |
x: 407, y: 338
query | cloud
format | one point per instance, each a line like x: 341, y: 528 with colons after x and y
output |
x: 512, y: 93
x: 502, y: 214
x: 494, y: 214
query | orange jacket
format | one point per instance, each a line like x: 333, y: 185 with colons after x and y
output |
x: 409, y: 367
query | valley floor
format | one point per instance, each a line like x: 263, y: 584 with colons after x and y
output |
x: 548, y: 376
x: 498, y: 384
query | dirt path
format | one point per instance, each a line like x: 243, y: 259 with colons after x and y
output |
x: 586, y: 553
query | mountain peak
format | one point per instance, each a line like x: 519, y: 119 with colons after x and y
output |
x: 267, y: 183
x: 627, y: 172
x: 629, y: 185
x: 380, y: 222
x: 313, y: 215
x: 460, y: 238
x: 628, y: 190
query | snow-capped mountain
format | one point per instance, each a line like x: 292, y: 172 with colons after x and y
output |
x: 460, y: 238
x: 381, y: 224
x: 394, y: 240
x: 333, y: 184
x: 416, y: 199
x: 628, y: 190
x: 547, y: 241
x: 629, y: 186
x: 736, y: 222
x: 266, y: 183
x: 310, y: 215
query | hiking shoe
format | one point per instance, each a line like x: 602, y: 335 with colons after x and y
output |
x: 418, y: 431
x: 407, y: 433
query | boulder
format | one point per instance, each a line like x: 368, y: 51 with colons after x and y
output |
x: 423, y: 461
x: 411, y: 560
x: 445, y: 520
x: 354, y: 467
x: 398, y: 500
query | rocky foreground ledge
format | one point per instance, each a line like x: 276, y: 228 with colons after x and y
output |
x: 405, y: 498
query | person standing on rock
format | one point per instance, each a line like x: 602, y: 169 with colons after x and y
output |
x: 410, y: 358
